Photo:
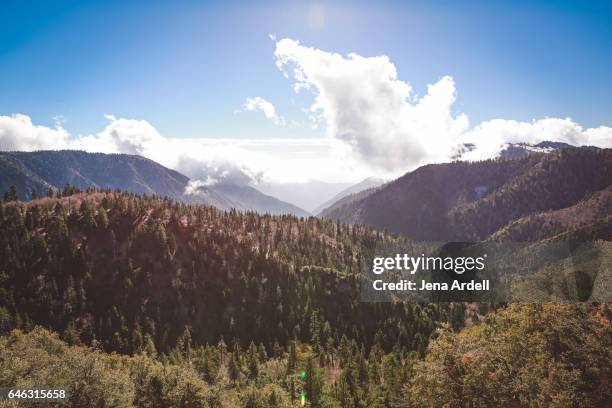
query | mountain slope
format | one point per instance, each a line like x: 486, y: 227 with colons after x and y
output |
x: 53, y: 169
x: 344, y: 201
x: 307, y: 195
x: 366, y: 184
x: 245, y: 198
x: 117, y: 267
x: 516, y: 150
x: 45, y: 169
x: 589, y: 214
x: 471, y: 201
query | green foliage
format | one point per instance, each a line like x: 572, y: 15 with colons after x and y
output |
x: 120, y: 269
x: 40, y: 359
x: 95, y: 379
x: 163, y: 283
x: 552, y: 354
x: 313, y: 384
x: 251, y: 361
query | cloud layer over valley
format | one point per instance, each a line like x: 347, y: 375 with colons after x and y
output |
x: 372, y: 124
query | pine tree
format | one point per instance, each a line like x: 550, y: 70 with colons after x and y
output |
x: 277, y: 350
x: 149, y: 346
x: 315, y: 332
x: 102, y: 219
x: 261, y: 352
x: 222, y: 350
x: 292, y: 360
x: 251, y: 361
x: 313, y: 384
x: 234, y: 367
x: 12, y: 194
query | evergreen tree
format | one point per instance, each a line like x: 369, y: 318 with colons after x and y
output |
x: 313, y: 386
x: 12, y: 194
x: 251, y: 361
x: 234, y: 367
x: 315, y: 332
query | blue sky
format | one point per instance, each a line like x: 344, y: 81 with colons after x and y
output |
x: 187, y: 68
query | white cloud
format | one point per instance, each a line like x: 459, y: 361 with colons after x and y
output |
x: 207, y: 160
x: 127, y: 136
x: 375, y: 126
x: 267, y: 108
x: 365, y: 105
x: 491, y: 136
x: 17, y: 132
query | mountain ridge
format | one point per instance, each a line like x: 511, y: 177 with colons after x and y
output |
x: 471, y: 201
x: 48, y: 169
x: 366, y: 184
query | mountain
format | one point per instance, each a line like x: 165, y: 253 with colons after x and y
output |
x: 515, y: 150
x: 118, y: 268
x: 245, y: 198
x: 46, y: 170
x: 590, y: 217
x: 137, y: 296
x: 366, y: 184
x: 346, y: 201
x: 53, y: 169
x: 308, y: 195
x: 472, y: 201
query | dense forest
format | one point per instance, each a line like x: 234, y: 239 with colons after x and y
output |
x: 119, y: 268
x: 473, y: 201
x: 131, y: 300
x: 525, y: 355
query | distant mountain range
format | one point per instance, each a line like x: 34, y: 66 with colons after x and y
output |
x: 43, y: 170
x: 530, y: 197
x: 516, y: 150
x: 308, y: 195
x: 369, y: 183
x: 432, y: 215
x: 244, y: 198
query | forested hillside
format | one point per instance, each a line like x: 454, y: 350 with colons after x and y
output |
x: 591, y: 218
x: 528, y: 355
x: 35, y: 174
x: 548, y: 355
x: 120, y: 268
x: 472, y: 201
x: 207, y: 308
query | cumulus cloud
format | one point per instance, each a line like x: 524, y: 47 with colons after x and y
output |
x: 365, y: 105
x: 267, y: 108
x: 17, y: 132
x: 127, y: 136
